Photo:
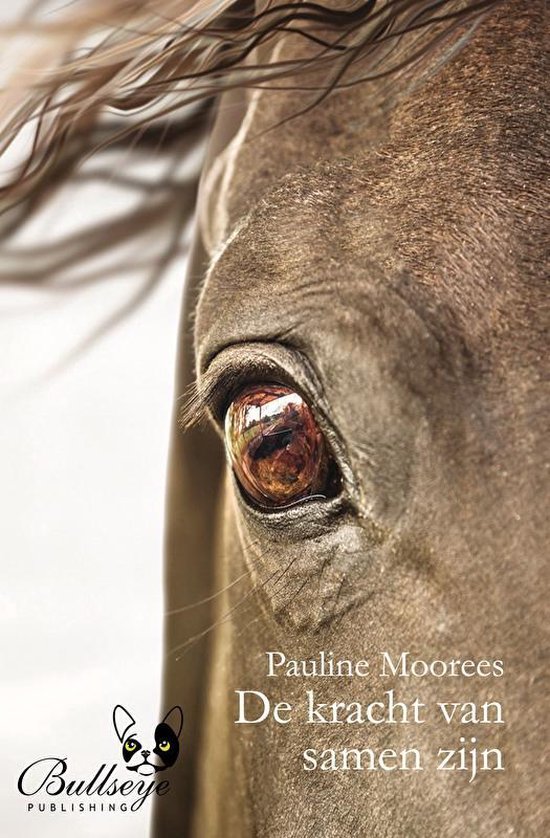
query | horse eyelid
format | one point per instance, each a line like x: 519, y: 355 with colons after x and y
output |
x: 198, y: 402
x: 217, y: 390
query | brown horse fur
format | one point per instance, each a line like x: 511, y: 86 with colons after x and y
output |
x: 385, y: 253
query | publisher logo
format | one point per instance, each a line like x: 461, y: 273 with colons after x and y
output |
x: 53, y: 787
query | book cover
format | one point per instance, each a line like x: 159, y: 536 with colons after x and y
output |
x: 274, y: 419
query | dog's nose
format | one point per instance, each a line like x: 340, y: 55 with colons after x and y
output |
x: 146, y: 754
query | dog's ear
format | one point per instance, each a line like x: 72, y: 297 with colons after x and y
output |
x: 122, y: 721
x: 174, y: 719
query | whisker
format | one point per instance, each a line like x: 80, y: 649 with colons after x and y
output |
x: 190, y: 642
x: 211, y: 597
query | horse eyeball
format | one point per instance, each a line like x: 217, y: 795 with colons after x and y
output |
x: 276, y: 448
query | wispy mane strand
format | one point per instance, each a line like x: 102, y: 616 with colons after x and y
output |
x: 151, y: 59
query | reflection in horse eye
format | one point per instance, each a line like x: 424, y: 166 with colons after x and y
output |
x: 276, y: 448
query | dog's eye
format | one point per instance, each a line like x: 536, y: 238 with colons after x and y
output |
x: 131, y: 745
x: 164, y: 746
x: 276, y: 448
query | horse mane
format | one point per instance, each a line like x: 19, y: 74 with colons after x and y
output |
x: 138, y: 78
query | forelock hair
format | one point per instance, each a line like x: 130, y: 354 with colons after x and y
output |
x: 111, y: 75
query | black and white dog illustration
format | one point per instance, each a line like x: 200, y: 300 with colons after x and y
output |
x: 153, y: 757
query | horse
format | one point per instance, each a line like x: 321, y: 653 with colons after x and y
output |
x: 382, y: 253
x: 369, y: 260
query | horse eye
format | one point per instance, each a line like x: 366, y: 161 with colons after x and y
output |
x: 276, y: 448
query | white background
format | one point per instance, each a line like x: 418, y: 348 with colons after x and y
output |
x: 82, y: 477
x: 83, y: 452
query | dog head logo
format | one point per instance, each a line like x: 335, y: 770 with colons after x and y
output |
x: 160, y: 750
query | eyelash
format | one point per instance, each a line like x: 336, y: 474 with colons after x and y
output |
x: 216, y: 392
